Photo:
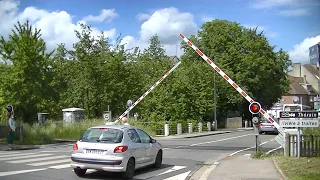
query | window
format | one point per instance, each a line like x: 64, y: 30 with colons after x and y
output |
x: 134, y: 136
x: 103, y: 135
x: 145, y: 138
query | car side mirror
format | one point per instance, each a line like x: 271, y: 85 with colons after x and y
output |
x: 153, y: 141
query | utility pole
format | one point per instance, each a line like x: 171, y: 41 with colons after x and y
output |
x: 215, y: 101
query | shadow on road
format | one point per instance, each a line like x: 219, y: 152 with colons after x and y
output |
x: 117, y: 176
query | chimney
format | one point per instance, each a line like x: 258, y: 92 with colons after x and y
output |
x: 304, y: 79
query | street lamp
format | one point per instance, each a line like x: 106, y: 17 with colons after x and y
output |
x: 215, y: 101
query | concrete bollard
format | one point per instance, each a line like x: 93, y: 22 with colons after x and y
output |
x: 166, y: 130
x: 179, y: 128
x: 246, y: 124
x: 190, y: 128
x: 200, y: 127
x: 209, y: 126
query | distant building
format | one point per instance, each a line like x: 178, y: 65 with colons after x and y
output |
x: 314, y: 54
x: 304, y: 85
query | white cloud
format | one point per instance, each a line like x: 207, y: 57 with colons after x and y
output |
x: 287, y: 7
x: 106, y: 15
x: 143, y: 16
x: 267, y: 32
x: 167, y: 23
x: 56, y: 27
x: 294, y: 12
x: 263, y: 4
x: 300, y: 52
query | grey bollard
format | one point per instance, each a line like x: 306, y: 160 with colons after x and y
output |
x: 209, y: 126
x: 200, y: 127
x: 179, y: 128
x: 190, y: 127
x: 246, y: 124
x: 166, y: 130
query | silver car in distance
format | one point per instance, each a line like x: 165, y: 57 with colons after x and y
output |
x: 115, y: 148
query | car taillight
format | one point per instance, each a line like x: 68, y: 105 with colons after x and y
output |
x: 259, y: 125
x: 120, y: 149
x: 75, y: 146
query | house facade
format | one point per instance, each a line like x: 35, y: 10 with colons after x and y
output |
x: 304, y: 85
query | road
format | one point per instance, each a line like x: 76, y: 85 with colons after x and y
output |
x: 182, y: 157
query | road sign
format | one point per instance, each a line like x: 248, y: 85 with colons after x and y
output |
x: 280, y: 139
x: 107, y: 116
x: 255, y: 120
x: 299, y: 123
x: 299, y: 114
x: 230, y: 81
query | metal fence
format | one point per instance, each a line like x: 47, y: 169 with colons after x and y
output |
x: 309, y: 146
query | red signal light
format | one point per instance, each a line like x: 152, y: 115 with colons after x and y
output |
x: 254, y: 108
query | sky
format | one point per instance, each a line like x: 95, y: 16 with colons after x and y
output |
x: 289, y: 24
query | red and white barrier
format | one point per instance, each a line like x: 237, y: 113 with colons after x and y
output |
x: 231, y: 82
x: 146, y: 93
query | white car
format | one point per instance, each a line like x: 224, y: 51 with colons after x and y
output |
x: 115, y: 148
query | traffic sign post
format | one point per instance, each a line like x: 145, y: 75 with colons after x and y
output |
x: 298, y: 119
x: 255, y: 122
x: 231, y: 82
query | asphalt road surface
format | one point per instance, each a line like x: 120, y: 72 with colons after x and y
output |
x: 182, y: 157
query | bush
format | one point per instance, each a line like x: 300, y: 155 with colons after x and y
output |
x: 48, y: 132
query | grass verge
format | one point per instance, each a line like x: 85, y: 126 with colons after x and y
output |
x: 37, y: 134
x: 299, y: 169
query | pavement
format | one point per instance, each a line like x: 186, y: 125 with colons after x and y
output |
x: 241, y: 167
x: 183, y: 159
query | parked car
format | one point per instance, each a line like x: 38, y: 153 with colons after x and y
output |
x: 265, y: 126
x: 115, y: 148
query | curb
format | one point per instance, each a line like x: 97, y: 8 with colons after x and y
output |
x: 283, y: 176
x: 19, y: 148
x: 204, y: 171
x: 200, y: 135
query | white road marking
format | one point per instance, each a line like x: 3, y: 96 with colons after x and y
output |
x: 221, y: 140
x: 208, y: 171
x: 182, y: 176
x: 158, y: 172
x: 37, y: 159
x: 15, y: 155
x: 8, y: 152
x: 175, y: 168
x: 249, y: 148
x: 50, y: 162
x: 19, y: 172
x: 165, y: 148
x: 70, y: 151
x: 274, y: 149
x: 25, y: 157
x: 60, y: 166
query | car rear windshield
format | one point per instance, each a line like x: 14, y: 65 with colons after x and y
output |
x: 102, y: 135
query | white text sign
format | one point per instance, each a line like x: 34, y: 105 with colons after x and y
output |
x: 299, y: 123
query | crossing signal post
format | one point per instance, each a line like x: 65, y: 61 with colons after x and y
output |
x: 254, y: 108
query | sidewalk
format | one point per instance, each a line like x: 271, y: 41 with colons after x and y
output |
x: 4, y: 147
x: 243, y: 168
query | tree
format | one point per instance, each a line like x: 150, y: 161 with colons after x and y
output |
x: 26, y: 84
x: 246, y: 57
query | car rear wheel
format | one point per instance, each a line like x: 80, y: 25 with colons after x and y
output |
x: 79, y: 172
x: 128, y: 174
x: 260, y: 132
x: 158, y: 160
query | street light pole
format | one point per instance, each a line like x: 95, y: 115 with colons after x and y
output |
x: 215, y: 101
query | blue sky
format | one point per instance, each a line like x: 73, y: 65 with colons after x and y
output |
x: 286, y: 22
